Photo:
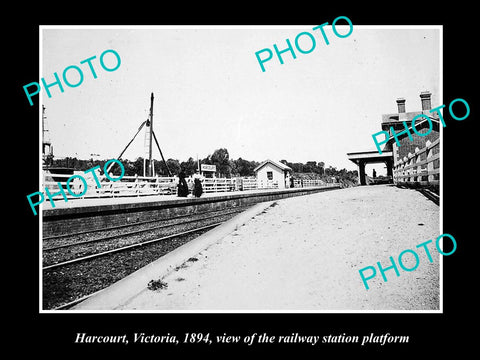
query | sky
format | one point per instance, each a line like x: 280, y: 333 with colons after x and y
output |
x: 211, y: 93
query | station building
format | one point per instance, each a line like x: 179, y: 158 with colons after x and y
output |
x: 273, y: 174
x: 400, y: 150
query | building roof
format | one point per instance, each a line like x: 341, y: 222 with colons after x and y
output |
x: 278, y: 164
x: 369, y: 156
x: 395, y: 117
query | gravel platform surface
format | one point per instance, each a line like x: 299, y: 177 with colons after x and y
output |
x: 304, y: 253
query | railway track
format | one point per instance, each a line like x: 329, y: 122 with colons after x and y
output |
x: 135, y: 224
x: 429, y: 194
x: 125, y: 248
x: 77, y: 265
x: 76, y: 239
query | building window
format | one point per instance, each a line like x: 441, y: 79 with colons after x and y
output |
x: 270, y: 175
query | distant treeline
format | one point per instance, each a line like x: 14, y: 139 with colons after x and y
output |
x: 225, y: 166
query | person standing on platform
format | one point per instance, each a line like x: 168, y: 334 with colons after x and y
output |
x: 197, y: 185
x: 182, y: 185
x: 190, y: 185
x: 287, y: 180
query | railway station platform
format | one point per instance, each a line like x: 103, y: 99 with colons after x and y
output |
x: 297, y: 254
x: 97, y: 213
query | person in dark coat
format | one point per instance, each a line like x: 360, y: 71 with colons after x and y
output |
x: 197, y: 185
x: 182, y: 185
x: 197, y: 188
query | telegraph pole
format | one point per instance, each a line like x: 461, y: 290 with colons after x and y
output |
x: 150, y: 168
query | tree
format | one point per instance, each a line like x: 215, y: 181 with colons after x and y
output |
x: 234, y: 168
x: 174, y: 166
x: 310, y: 166
x: 157, y: 165
x: 243, y: 167
x: 220, y: 159
x: 297, y: 167
x: 115, y: 169
x: 290, y: 165
x: 321, y: 167
x: 189, y: 167
x: 138, y: 166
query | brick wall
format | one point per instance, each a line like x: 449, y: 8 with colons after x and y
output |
x: 408, y: 146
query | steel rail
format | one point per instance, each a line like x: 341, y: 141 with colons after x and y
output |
x: 132, y: 232
x: 130, y: 225
x: 120, y: 249
x: 72, y: 303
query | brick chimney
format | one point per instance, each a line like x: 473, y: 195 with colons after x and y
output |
x: 401, y: 105
x: 426, y: 98
x: 401, y: 109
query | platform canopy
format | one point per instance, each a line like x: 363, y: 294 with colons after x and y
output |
x: 371, y: 157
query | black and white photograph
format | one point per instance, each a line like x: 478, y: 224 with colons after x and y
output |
x: 186, y: 173
x: 246, y: 185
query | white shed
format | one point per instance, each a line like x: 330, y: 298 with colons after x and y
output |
x: 272, y: 174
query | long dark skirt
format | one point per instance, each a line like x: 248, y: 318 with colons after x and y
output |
x: 197, y: 188
x: 182, y: 188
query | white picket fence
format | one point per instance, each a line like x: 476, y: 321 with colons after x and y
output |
x: 141, y: 186
x: 249, y: 183
x: 267, y: 184
x: 309, y: 183
x: 218, y: 185
x: 127, y: 186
